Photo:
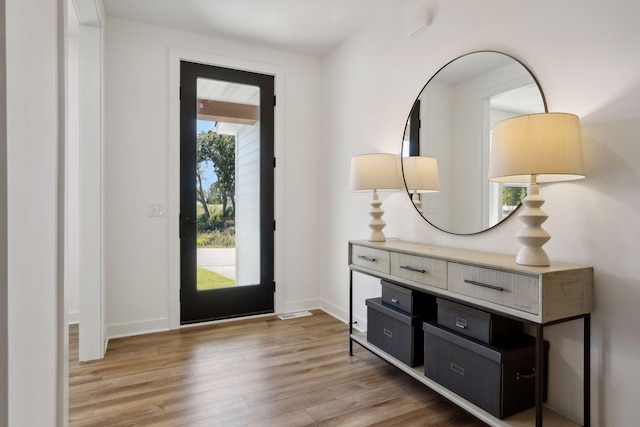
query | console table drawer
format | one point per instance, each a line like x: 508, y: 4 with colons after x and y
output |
x: 513, y: 290
x: 428, y: 271
x: 375, y: 259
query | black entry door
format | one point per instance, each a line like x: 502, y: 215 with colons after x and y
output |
x: 226, y: 193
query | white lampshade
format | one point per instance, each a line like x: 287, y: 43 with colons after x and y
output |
x: 547, y: 145
x: 375, y: 172
x: 421, y: 174
x: 378, y: 171
x: 536, y: 148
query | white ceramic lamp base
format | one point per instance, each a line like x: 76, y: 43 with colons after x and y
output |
x: 415, y: 198
x: 533, y: 236
x: 376, y: 224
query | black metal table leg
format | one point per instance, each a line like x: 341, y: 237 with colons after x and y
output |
x: 587, y: 370
x: 350, y: 312
x: 539, y: 380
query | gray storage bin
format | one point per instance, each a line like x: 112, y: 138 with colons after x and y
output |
x: 408, y: 300
x: 395, y: 332
x: 498, y: 380
x: 486, y: 327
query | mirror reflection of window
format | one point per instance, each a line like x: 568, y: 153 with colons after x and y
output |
x: 512, y: 195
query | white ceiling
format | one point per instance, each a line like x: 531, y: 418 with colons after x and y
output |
x: 311, y: 27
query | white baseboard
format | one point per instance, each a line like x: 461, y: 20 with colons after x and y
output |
x: 335, y: 311
x: 137, y: 328
x: 310, y: 304
x: 359, y: 323
x: 158, y: 325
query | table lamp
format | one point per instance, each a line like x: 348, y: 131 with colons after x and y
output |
x: 420, y: 176
x: 378, y: 171
x: 536, y: 148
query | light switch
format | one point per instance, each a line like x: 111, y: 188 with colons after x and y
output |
x: 155, y: 209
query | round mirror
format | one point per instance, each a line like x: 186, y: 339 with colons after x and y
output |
x: 452, y: 122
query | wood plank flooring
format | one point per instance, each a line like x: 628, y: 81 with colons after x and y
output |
x: 264, y: 372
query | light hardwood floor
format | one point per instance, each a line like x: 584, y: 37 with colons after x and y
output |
x: 265, y: 372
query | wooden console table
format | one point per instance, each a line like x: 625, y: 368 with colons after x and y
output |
x: 538, y: 296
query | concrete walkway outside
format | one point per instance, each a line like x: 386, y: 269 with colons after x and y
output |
x: 218, y: 260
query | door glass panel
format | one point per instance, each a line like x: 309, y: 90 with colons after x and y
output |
x: 227, y: 184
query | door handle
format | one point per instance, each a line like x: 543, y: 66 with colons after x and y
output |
x: 184, y: 221
x: 189, y: 221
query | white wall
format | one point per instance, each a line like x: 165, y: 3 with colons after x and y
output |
x: 138, y: 248
x: 32, y: 186
x: 4, y: 326
x: 72, y: 184
x: 584, y: 56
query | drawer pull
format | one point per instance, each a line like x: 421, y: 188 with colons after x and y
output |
x: 484, y: 285
x: 395, y: 300
x: 388, y: 333
x: 367, y: 258
x: 461, y: 323
x: 417, y: 270
x: 457, y: 369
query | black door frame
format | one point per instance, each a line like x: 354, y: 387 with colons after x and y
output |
x: 240, y: 300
